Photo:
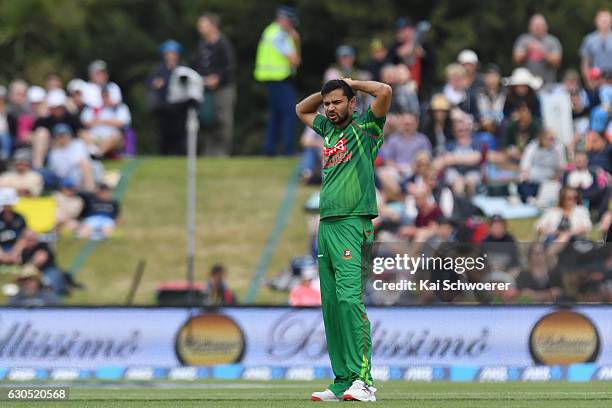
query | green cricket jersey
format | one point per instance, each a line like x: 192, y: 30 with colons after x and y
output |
x: 348, y: 169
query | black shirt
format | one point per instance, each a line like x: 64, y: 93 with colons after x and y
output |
x: 217, y: 58
x: 10, y: 231
x: 68, y: 118
x: 96, y: 206
x: 28, y: 253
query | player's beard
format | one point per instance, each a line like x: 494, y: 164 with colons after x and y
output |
x: 339, y: 117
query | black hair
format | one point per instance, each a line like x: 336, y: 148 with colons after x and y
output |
x: 217, y: 269
x: 334, y: 84
x: 213, y: 18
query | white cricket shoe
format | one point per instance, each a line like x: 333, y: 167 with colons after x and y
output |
x: 359, y: 391
x: 326, y: 396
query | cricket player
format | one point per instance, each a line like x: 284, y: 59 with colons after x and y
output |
x: 347, y: 206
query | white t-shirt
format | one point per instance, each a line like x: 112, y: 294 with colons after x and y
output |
x: 64, y: 161
x: 92, y: 94
x: 120, y: 112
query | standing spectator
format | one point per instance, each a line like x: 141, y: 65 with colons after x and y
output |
x: 100, y: 214
x: 491, y: 98
x: 171, y: 118
x: 22, y: 178
x: 53, y: 81
x: 469, y: 60
x: 438, y: 123
x: 539, y: 51
x: 32, y: 292
x: 542, y: 161
x: 344, y: 67
x: 8, y: 126
x: 278, y: 57
x: 596, y: 48
x: 523, y: 86
x: 457, y: 93
x: 378, y: 55
x: 12, y: 226
x: 98, y: 79
x: 568, y: 219
x: 307, y: 292
x: 69, y: 159
x: 217, y: 65
x: 411, y: 51
x: 19, y: 107
x: 398, y: 153
x: 41, y: 139
x: 105, y: 125
x: 216, y: 290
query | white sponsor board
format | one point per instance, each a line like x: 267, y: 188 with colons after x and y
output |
x: 415, y: 336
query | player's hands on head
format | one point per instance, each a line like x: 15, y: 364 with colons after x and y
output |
x: 348, y: 81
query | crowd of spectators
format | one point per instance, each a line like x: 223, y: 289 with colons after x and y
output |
x: 537, y: 139
x: 53, y: 138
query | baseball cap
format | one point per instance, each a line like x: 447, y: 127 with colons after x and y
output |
x: 345, y: 51
x: 97, y: 65
x: 170, y: 46
x: 36, y: 94
x: 76, y: 85
x: 403, y: 22
x: 62, y: 129
x: 56, y: 97
x: 467, y: 57
x: 67, y: 183
x: 494, y: 68
x: 289, y: 12
x: 498, y: 218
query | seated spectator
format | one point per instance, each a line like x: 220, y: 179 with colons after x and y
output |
x: 428, y: 214
x: 522, y: 90
x: 31, y: 291
x: 312, y: 157
x: 501, y: 248
x: 491, y: 98
x: 592, y: 184
x: 39, y: 254
x: 600, y: 151
x: 538, y: 281
x: 567, y: 220
x: 457, y: 92
x: 69, y: 205
x: 12, y: 226
x: 600, y: 113
x: 43, y: 127
x: 404, y: 98
x: 8, y: 126
x: 75, y: 103
x: 543, y: 160
x: 462, y: 160
x: 216, y: 290
x: 307, y: 292
x: 398, y: 153
x: 474, y: 80
x: 438, y: 124
x: 100, y: 214
x: 378, y: 55
x: 520, y: 131
x: 98, y: 79
x: 69, y: 159
x: 37, y: 98
x: 106, y: 125
x: 22, y: 178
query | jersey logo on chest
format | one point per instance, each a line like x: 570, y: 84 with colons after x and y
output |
x: 339, y: 147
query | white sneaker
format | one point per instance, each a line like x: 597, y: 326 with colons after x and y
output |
x: 326, y: 396
x: 359, y: 391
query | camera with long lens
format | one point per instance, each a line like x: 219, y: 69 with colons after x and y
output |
x: 185, y: 86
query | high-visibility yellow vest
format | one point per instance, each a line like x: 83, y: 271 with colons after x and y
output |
x: 270, y: 63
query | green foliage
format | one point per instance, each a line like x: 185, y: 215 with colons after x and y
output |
x: 38, y: 37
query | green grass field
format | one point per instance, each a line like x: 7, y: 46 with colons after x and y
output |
x: 296, y: 394
x: 238, y: 202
